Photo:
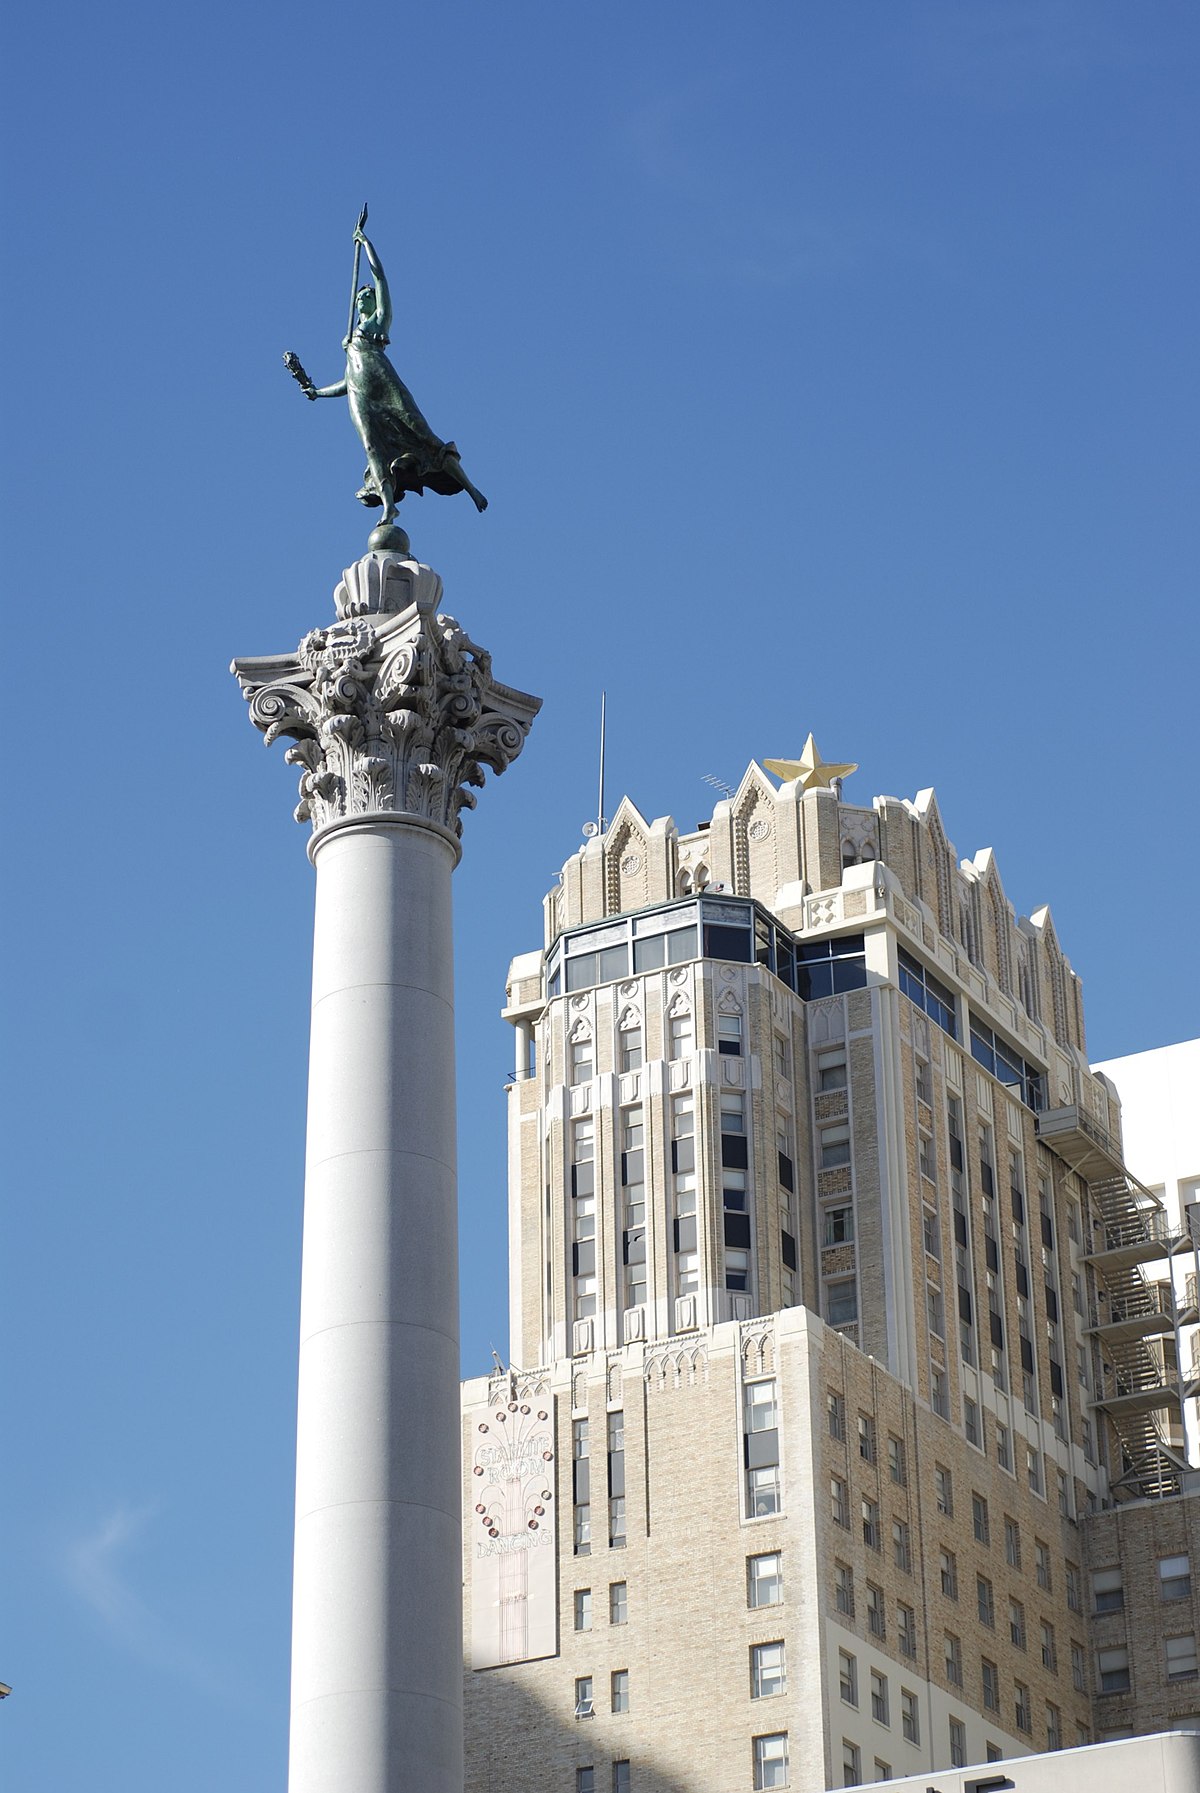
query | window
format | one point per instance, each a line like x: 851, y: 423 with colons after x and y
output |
x: 953, y: 1660
x: 901, y: 1544
x: 1108, y: 1590
x: 876, y: 1612
x: 1016, y: 1624
x: 1033, y: 1468
x: 1012, y: 1543
x: 737, y: 1268
x: 939, y: 1394
x: 1175, y: 1577
x: 768, y: 1671
x: 838, y: 1228
x: 948, y: 1565
x: 762, y: 1490
x: 618, y: 1603
x: 1181, y: 1657
x: 848, y: 1678
x: 910, y: 1716
x: 985, y: 1602
x: 771, y: 1761
x: 761, y: 1446
x: 581, y: 1485
x: 836, y: 1407
x: 979, y: 1519
x: 729, y: 1035
x: 581, y: 1061
x: 906, y: 1629
x: 631, y: 1048
x: 620, y: 1690
x: 931, y: 1232
x: 1112, y: 1668
x: 1074, y: 1588
x: 764, y: 1580
x: 761, y: 1414
x: 943, y: 1488
x: 971, y: 1423
x: 935, y: 1312
x: 927, y: 1159
x: 839, y: 1501
x: 1022, y: 1707
x: 583, y: 1609
x: 1003, y: 1449
x: 1006, y: 1064
x: 1053, y: 1727
x: 990, y: 1677
x: 1049, y: 1648
x: 680, y: 1036
x: 828, y: 967
x: 924, y: 1076
x: 621, y: 1778
x: 583, y: 1697
x: 870, y: 1523
x: 851, y: 1764
x: 921, y: 987
x: 896, y: 1463
x: 783, y: 1056
x: 843, y: 1588
x: 1042, y: 1560
x: 831, y: 1070
x: 834, y: 1147
x: 958, y: 1743
x: 1078, y: 1678
x: 733, y: 1113
x: 585, y: 1780
x: 883, y: 1770
x: 733, y: 1196
x: 841, y: 1301
x: 616, y: 1522
x: 879, y: 1698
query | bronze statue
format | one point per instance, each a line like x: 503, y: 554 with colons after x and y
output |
x: 403, y: 454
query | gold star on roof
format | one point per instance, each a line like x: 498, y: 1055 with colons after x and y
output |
x: 813, y: 773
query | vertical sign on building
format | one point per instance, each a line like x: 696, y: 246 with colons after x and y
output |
x: 513, y: 1611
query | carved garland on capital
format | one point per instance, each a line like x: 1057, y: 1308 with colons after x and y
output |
x: 381, y: 722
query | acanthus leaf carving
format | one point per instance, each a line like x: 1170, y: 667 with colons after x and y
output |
x: 398, y: 715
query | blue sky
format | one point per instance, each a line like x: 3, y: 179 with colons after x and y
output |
x: 827, y: 367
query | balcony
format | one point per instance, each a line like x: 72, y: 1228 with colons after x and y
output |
x: 1134, y: 1313
x: 1081, y: 1142
x: 1138, y: 1235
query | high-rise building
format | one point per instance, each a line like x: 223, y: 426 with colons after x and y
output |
x: 828, y: 1323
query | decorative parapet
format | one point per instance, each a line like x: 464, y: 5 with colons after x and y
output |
x: 393, y: 709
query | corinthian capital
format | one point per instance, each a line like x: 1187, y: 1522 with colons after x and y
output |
x: 392, y: 709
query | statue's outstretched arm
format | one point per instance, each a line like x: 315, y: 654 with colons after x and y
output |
x: 295, y: 368
x: 383, y: 297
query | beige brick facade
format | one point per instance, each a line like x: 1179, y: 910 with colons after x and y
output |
x: 802, y: 1063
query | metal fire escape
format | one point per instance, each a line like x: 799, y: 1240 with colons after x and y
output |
x: 1135, y: 1322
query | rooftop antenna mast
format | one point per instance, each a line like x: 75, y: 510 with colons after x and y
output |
x: 718, y: 784
x: 593, y: 830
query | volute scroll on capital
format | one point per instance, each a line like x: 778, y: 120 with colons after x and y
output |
x: 388, y: 710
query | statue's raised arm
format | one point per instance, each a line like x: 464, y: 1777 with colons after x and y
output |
x: 403, y: 454
x: 383, y: 298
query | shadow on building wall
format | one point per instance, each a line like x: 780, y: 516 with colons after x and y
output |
x: 516, y: 1744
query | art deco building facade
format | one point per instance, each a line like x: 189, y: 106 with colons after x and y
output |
x: 827, y: 1299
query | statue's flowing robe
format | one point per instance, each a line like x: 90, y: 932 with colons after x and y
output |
x: 393, y: 431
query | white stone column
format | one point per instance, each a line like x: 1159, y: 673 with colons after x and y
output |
x: 390, y: 718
